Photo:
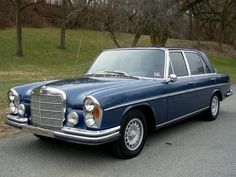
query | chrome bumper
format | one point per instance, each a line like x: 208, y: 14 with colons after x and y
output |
x: 75, y: 135
x: 229, y: 93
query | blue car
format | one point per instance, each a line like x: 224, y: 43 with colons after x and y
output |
x: 125, y: 94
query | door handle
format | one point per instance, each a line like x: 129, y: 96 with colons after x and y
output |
x: 191, y: 83
x: 213, y: 79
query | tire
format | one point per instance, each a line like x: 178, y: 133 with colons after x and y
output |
x: 133, y: 135
x: 213, y: 111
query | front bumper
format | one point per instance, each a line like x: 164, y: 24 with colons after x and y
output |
x: 75, y: 135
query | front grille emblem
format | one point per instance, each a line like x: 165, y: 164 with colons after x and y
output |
x: 43, y: 90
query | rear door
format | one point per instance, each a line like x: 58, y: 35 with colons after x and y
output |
x: 203, y: 78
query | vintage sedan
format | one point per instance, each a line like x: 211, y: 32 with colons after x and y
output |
x: 124, y: 94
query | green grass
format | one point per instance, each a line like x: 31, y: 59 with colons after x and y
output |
x: 225, y: 65
x: 44, y: 60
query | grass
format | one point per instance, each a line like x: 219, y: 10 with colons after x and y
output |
x: 44, y: 60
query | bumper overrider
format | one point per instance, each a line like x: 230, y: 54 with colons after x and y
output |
x: 67, y: 133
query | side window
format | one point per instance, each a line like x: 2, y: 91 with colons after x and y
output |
x: 196, y: 65
x: 206, y: 68
x: 178, y: 64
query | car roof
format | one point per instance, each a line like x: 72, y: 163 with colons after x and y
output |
x: 154, y: 48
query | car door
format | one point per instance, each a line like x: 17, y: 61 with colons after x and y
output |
x: 203, y: 78
x: 180, y: 93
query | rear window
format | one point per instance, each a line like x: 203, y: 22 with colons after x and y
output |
x: 196, y: 64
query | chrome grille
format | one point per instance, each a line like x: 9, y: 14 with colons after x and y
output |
x: 47, y: 111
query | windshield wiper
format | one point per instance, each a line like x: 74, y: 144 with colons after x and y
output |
x: 112, y: 73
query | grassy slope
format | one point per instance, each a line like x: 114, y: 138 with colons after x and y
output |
x: 43, y: 59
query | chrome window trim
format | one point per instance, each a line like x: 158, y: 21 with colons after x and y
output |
x: 163, y: 96
x: 166, y: 65
x: 206, y: 74
x: 187, y: 64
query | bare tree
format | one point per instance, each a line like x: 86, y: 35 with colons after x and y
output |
x: 63, y: 24
x: 19, y: 8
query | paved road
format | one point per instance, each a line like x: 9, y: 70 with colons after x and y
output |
x: 192, y: 148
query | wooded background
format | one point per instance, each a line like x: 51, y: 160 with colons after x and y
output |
x: 209, y: 20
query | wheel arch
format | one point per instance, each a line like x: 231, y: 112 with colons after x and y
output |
x: 148, y: 112
x: 218, y: 93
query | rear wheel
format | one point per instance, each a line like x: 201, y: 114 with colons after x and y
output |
x: 133, y: 135
x: 213, y: 111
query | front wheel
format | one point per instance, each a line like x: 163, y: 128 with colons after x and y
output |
x: 213, y: 111
x: 133, y: 135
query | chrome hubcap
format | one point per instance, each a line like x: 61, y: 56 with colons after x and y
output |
x: 133, y: 134
x: 214, y: 105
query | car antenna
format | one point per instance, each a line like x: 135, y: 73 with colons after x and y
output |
x: 78, y: 53
x: 79, y: 48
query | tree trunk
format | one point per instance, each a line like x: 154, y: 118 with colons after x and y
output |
x: 113, y: 37
x: 153, y: 40
x: 190, y: 25
x: 63, y: 37
x: 19, y: 50
x: 136, y: 39
x: 63, y: 26
x: 222, y: 32
x: 198, y: 32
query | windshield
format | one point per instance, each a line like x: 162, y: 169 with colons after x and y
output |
x: 143, y: 63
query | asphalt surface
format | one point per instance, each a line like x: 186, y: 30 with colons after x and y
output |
x: 192, y: 148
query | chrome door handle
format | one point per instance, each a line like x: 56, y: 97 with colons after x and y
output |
x: 191, y: 83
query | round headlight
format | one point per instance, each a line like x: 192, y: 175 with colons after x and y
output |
x: 89, y: 104
x: 92, y: 112
x: 73, y: 118
x: 12, y: 94
x: 12, y: 108
x: 21, y: 109
x: 89, y: 120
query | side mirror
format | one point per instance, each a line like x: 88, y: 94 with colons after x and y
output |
x: 173, y: 77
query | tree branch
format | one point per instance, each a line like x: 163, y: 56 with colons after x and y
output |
x: 30, y: 4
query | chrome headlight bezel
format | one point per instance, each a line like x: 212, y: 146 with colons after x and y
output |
x: 12, y: 94
x: 93, y: 112
x: 14, y: 100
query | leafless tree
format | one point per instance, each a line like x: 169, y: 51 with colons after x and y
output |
x: 19, y: 6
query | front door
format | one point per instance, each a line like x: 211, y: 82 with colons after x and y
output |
x: 181, y: 92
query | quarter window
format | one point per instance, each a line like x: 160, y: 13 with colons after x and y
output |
x: 178, y: 64
x: 196, y: 65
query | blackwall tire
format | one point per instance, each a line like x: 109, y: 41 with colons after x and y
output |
x: 133, y: 135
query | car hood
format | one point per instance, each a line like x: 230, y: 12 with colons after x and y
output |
x: 105, y: 89
x: 78, y: 89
